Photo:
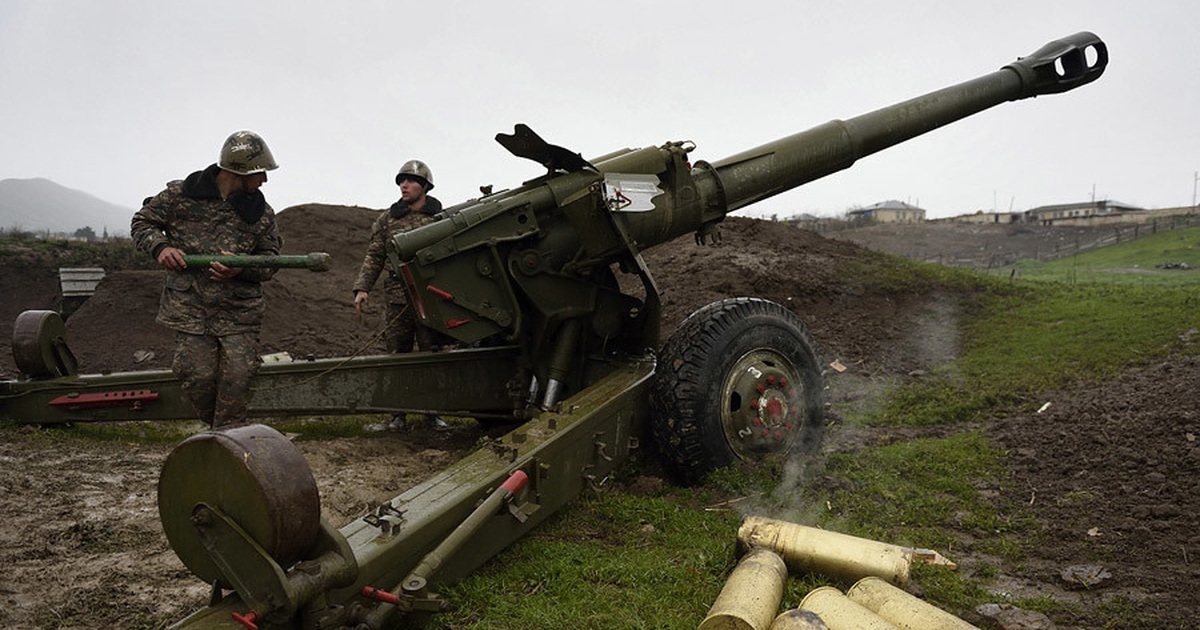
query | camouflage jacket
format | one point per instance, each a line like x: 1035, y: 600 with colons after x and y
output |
x: 191, y: 215
x: 396, y: 220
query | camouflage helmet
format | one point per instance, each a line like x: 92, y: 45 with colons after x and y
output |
x: 417, y: 170
x: 245, y: 153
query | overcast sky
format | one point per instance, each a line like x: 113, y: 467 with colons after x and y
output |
x: 115, y: 98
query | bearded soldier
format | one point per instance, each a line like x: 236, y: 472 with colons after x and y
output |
x: 216, y: 311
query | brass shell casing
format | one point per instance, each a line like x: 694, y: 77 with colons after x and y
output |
x: 812, y: 550
x: 903, y: 609
x: 797, y: 619
x: 751, y: 595
x: 842, y: 613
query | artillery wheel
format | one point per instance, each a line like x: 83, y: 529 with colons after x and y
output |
x: 738, y: 380
x: 256, y: 477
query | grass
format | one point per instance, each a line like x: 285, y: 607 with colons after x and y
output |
x: 16, y: 248
x: 916, y: 485
x: 138, y: 432
x: 1039, y: 337
x: 611, y: 561
x: 1134, y: 263
x: 632, y: 561
x: 306, y: 428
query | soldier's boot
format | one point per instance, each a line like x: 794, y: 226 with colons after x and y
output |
x: 434, y: 422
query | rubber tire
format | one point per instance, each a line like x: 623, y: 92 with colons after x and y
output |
x: 717, y: 359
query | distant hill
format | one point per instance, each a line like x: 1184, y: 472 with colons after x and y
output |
x: 40, y: 205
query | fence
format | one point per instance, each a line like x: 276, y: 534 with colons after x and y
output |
x: 1120, y: 233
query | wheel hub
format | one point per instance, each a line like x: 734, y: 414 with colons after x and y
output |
x: 762, y: 407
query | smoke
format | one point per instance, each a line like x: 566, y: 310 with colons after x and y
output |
x: 853, y: 397
x: 794, y: 497
x: 936, y: 338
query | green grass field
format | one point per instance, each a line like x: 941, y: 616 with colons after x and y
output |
x: 1135, y: 263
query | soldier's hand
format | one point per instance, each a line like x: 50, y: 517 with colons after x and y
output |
x: 171, y: 258
x: 221, y: 273
x: 360, y: 298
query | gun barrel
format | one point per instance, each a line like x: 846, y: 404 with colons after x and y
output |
x: 316, y: 261
x: 555, y: 231
x: 779, y: 166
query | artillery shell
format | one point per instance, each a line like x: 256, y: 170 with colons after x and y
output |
x: 842, y: 613
x: 901, y: 608
x: 811, y: 550
x: 797, y: 619
x: 751, y: 595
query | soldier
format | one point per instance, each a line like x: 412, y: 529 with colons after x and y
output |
x: 414, y: 209
x: 216, y: 311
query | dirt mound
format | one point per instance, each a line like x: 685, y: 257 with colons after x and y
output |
x: 310, y: 314
x: 29, y: 286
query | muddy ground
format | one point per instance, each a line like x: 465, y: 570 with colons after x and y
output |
x: 1109, y: 470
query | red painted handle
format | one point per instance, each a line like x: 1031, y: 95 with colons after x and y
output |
x: 370, y: 592
x: 445, y: 295
x: 247, y: 620
x: 515, y: 481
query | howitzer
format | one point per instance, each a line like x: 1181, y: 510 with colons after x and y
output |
x: 532, y: 265
x: 315, y: 261
x: 528, y: 281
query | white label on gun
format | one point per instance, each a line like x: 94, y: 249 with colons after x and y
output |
x: 630, y: 193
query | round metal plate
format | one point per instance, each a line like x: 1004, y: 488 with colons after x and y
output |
x: 763, y: 408
x: 39, y: 345
x: 254, y: 475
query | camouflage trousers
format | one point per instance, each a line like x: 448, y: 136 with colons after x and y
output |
x: 401, y: 330
x: 215, y: 374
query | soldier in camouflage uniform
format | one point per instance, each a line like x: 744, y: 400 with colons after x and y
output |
x: 217, y: 310
x: 414, y: 209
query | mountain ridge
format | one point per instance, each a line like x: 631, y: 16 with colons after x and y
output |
x: 42, y: 205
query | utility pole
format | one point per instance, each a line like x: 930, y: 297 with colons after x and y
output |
x: 1195, y: 178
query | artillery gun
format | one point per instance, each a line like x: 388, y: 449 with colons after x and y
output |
x: 535, y: 284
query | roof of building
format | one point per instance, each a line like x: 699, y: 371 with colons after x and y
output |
x: 892, y: 204
x: 1110, y: 204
